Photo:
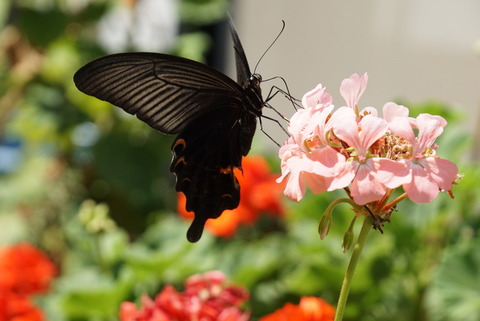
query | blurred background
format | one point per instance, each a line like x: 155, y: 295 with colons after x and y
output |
x: 89, y: 185
x: 415, y: 50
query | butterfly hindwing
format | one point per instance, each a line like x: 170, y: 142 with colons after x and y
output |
x: 205, y: 156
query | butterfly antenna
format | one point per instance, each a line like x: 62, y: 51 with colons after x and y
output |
x: 273, y: 42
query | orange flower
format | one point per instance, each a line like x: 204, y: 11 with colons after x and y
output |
x: 259, y: 194
x: 24, y: 269
x: 309, y: 309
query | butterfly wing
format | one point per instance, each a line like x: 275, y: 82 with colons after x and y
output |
x: 241, y: 62
x: 206, y: 154
x: 165, y: 91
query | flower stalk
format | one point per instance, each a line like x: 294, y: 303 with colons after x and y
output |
x: 347, y: 281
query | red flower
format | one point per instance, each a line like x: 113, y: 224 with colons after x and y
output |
x: 15, y: 307
x: 309, y: 309
x: 259, y: 194
x: 24, y: 269
x: 206, y: 297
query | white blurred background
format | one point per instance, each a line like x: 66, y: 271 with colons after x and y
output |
x: 414, y: 50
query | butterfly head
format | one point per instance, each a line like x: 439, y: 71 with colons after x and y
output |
x: 255, y: 80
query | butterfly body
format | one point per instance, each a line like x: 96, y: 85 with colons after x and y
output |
x: 213, y: 116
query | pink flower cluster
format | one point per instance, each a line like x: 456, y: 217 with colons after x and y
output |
x: 370, y: 155
x: 206, y: 297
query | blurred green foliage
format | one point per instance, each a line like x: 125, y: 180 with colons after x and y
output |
x: 90, y: 186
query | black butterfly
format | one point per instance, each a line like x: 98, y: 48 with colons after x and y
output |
x: 214, y: 117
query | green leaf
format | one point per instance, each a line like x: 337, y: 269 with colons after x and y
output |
x: 52, y: 22
x: 89, y: 295
x: 455, y: 290
x: 202, y: 12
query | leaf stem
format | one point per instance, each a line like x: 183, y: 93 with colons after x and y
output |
x: 347, y: 281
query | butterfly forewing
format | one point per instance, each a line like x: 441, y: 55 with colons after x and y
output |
x: 164, y: 91
x: 241, y: 62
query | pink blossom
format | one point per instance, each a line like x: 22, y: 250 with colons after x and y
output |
x: 369, y: 174
x: 307, y: 158
x: 302, y: 169
x: 430, y: 174
x: 357, y: 149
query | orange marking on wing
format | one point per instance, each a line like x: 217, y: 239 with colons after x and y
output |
x: 180, y: 160
x: 181, y: 142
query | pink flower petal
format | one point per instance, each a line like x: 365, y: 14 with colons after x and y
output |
x: 324, y: 161
x: 297, y: 125
x: 318, y: 184
x: 360, y: 136
x: 372, y: 129
x: 313, y: 169
x: 295, y: 187
x: 316, y: 96
x: 442, y: 171
x: 322, y: 124
x: 392, y: 110
x: 429, y: 128
x: 352, y: 89
x: 401, y: 126
x: 392, y: 173
x: 365, y: 188
x: 345, y: 126
x: 345, y: 173
x: 422, y: 188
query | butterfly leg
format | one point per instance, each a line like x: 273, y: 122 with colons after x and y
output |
x: 274, y: 90
x: 276, y: 112
x: 274, y: 120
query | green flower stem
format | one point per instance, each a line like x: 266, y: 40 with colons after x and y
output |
x: 326, y: 220
x: 347, y: 281
x: 331, y: 206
